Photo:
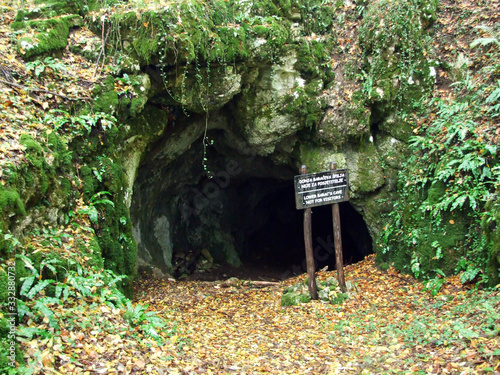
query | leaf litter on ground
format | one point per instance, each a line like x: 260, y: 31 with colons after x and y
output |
x: 390, y: 324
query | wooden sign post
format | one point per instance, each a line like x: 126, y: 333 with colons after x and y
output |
x: 319, y: 189
x: 311, y: 272
x: 337, y: 239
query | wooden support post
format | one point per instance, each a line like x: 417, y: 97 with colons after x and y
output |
x: 311, y: 273
x: 337, y: 239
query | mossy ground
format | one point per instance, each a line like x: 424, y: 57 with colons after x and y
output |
x: 328, y: 292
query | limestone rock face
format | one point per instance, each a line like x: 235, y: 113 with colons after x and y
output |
x: 206, y: 90
x: 194, y: 184
x: 366, y: 174
x: 226, y: 100
x: 264, y: 125
x: 339, y: 124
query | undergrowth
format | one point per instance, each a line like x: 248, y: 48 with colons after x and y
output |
x: 445, y: 220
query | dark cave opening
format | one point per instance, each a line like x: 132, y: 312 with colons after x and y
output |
x: 243, y: 214
x: 279, y: 241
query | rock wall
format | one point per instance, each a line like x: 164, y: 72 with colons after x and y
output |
x: 226, y: 93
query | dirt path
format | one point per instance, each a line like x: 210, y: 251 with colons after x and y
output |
x: 390, y: 325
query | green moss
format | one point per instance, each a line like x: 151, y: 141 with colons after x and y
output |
x: 491, y: 229
x: 89, y: 182
x: 107, y: 102
x: 38, y: 171
x: 200, y: 33
x: 395, y: 46
x: 118, y: 247
x: 150, y: 122
x: 318, y: 158
x: 304, y: 104
x: 60, y: 150
x: 294, y: 298
x: 234, y: 42
x: 10, y: 202
x: 317, y: 16
x: 4, y: 286
x: 50, y: 9
x: 93, y: 250
x: 114, y: 239
x: 32, y: 146
x: 137, y: 104
x: 313, y: 59
x: 436, y: 243
x: 397, y: 127
x: 35, y: 180
x: 44, y: 36
x: 436, y: 192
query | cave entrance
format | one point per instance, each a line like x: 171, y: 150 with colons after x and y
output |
x: 237, y: 220
x: 279, y: 242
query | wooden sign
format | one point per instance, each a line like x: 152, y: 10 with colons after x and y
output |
x: 319, y: 189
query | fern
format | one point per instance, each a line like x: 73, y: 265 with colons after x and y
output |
x: 495, y: 94
x: 493, y: 39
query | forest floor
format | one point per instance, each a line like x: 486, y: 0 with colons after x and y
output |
x: 391, y: 324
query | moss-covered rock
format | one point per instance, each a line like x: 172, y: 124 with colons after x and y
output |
x: 397, y: 69
x: 365, y: 170
x: 328, y: 292
x: 276, y: 105
x: 424, y: 244
x: 34, y: 181
x: 194, y: 32
x: 346, y: 122
x: 10, y: 205
x: 294, y: 298
x: 47, y: 36
x: 113, y: 229
x: 54, y: 8
x: 204, y: 89
x: 318, y: 158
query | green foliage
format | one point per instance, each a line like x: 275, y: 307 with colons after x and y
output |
x: 434, y: 285
x: 96, y: 200
x: 79, y: 125
x: 328, y: 292
x: 35, y: 179
x: 494, y: 37
x: 39, y: 67
x: 54, y: 8
x: 103, y: 182
x: 439, y: 222
x: 43, y: 300
x: 395, y: 46
x: 149, y: 321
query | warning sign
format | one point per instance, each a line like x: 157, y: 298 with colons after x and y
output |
x: 318, y: 189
